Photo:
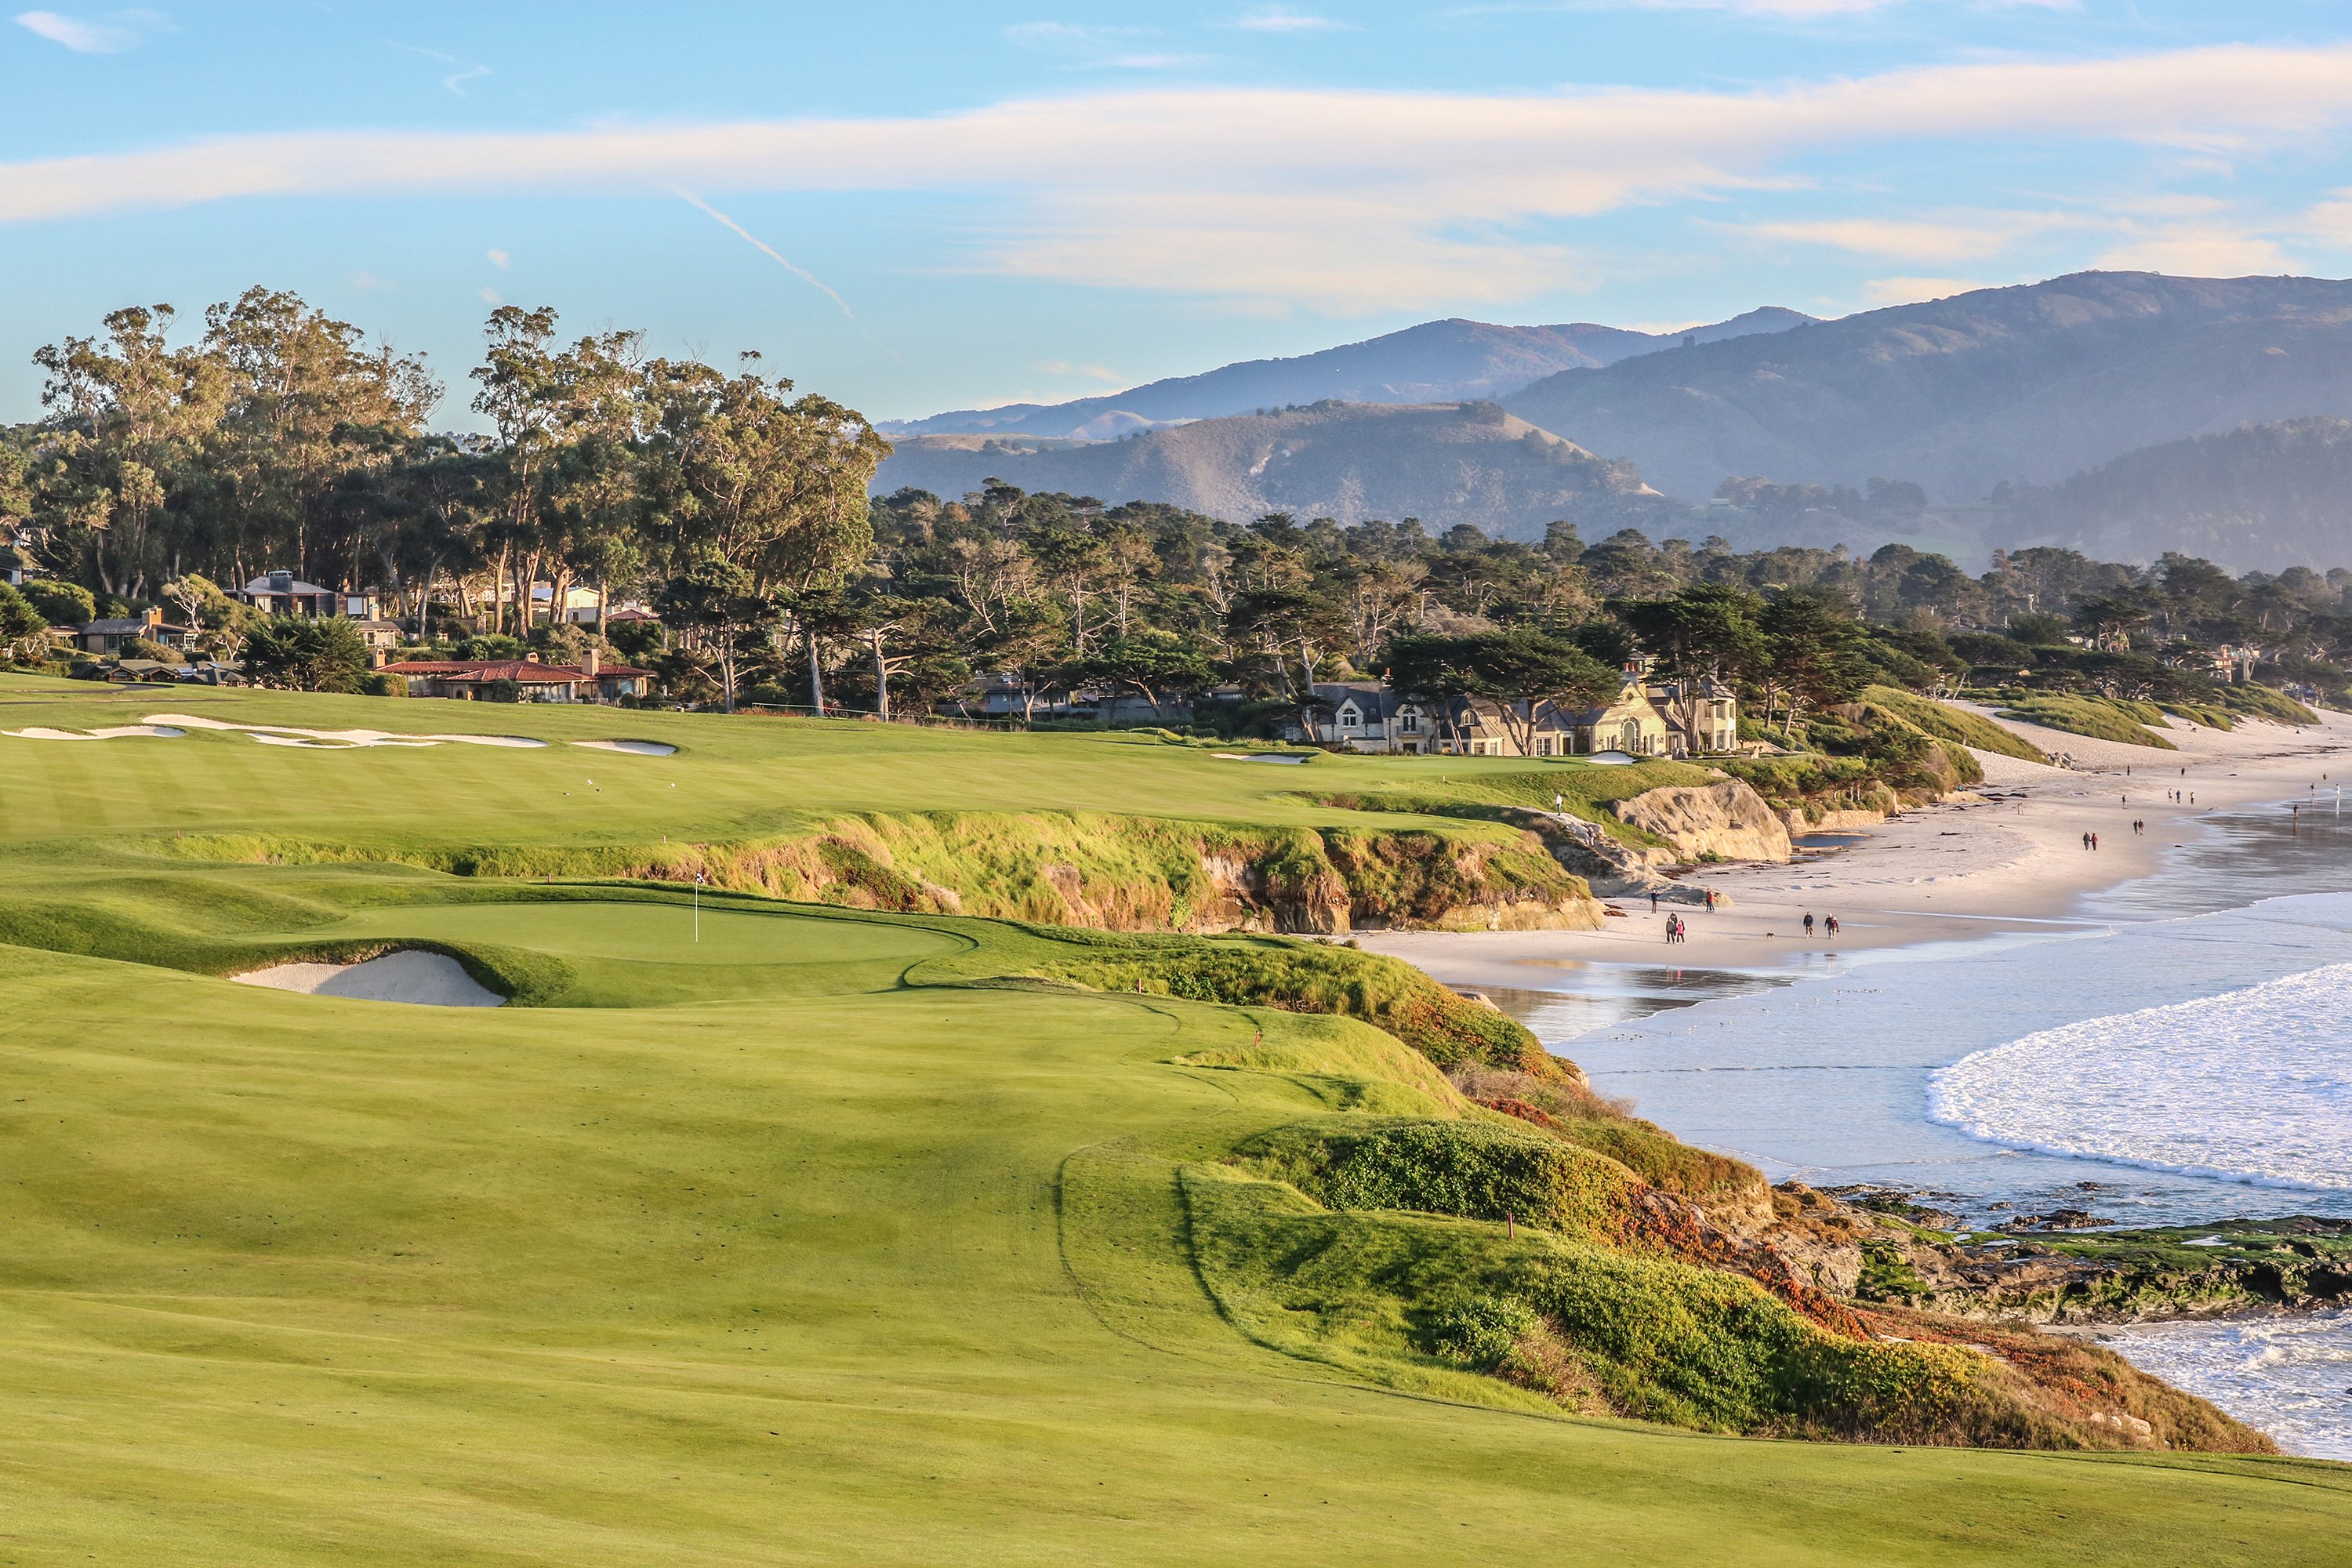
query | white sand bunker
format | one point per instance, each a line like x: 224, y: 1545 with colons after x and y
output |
x: 116, y: 732
x: 634, y: 748
x: 338, y: 740
x: 427, y: 979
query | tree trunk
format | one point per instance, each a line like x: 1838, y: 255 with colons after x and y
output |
x: 816, y: 678
x: 881, y: 681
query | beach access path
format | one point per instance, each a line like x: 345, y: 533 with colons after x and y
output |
x: 2008, y: 855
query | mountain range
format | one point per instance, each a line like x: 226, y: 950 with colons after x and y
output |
x: 2096, y: 410
x: 1437, y: 361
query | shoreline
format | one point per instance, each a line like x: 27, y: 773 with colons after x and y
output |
x: 2005, y: 858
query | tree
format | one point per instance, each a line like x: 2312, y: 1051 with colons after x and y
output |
x: 1812, y: 656
x: 1709, y: 629
x: 716, y: 606
x: 307, y: 654
x: 21, y: 625
x: 61, y: 603
x: 1517, y: 669
x: 1156, y: 666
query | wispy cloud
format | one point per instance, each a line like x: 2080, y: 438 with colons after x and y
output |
x: 1117, y: 48
x: 468, y: 70
x: 1334, y: 200
x: 1961, y: 237
x: 1278, y: 20
x: 768, y: 250
x: 108, y: 34
x: 499, y: 260
x: 2198, y: 250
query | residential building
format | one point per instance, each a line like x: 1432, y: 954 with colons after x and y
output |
x: 283, y: 593
x: 591, y: 680
x: 1701, y: 716
x: 1365, y: 716
x: 108, y: 634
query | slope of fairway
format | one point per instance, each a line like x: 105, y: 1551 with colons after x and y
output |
x: 790, y: 1237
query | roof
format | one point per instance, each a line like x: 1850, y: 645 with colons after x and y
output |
x: 261, y: 585
x: 522, y: 671
x: 1374, y: 701
x: 117, y: 625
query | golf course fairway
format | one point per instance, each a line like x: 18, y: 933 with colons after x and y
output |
x: 770, y: 1233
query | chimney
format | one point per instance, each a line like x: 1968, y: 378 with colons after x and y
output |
x: 590, y: 664
x: 281, y: 582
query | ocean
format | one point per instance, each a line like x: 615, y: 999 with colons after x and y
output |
x: 2182, y: 1051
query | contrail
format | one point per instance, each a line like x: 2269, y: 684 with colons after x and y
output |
x: 801, y: 272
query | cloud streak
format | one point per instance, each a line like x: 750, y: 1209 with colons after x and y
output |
x: 1333, y: 198
x: 86, y: 35
x: 768, y: 250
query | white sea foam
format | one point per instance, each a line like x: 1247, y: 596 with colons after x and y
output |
x: 2287, y: 1377
x: 2251, y: 1086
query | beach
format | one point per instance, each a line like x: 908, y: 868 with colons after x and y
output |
x: 2008, y: 857
x: 2013, y: 1022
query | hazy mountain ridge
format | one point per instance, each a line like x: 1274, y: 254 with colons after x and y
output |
x: 2262, y: 497
x: 2031, y: 384
x: 1437, y: 361
x: 1444, y: 464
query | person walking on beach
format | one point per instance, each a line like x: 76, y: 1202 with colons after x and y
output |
x: 1710, y: 900
x: 1653, y: 901
x: 2094, y: 841
x: 1832, y: 926
x: 1809, y: 922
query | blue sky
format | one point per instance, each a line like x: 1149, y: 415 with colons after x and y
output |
x: 931, y: 206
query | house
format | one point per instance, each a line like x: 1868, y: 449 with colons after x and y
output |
x: 381, y: 636
x: 1364, y: 716
x: 1701, y: 716
x: 109, y: 634
x: 591, y: 680
x: 1630, y: 722
x: 283, y: 593
x: 1473, y: 727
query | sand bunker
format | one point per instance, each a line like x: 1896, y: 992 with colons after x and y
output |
x: 427, y: 979
x: 634, y: 748
x: 340, y: 740
x: 1257, y: 757
x: 116, y: 732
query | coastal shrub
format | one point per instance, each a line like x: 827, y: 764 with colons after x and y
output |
x: 2212, y: 717
x: 1571, y: 1110
x: 376, y: 683
x: 1470, y: 1170
x: 1481, y: 1332
x: 1305, y: 977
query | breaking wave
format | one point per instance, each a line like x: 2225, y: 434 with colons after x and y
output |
x: 2251, y: 1086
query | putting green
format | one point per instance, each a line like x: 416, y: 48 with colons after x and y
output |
x: 789, y: 1247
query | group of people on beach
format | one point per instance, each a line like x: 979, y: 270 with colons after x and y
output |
x: 2090, y: 841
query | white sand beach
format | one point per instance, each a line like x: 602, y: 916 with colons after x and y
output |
x: 2009, y: 858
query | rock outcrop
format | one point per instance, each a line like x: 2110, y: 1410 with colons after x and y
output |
x: 1726, y: 821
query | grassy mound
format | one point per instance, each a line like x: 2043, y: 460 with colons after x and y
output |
x: 2100, y: 718
x: 1945, y: 722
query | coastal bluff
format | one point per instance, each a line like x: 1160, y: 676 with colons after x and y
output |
x: 1725, y: 821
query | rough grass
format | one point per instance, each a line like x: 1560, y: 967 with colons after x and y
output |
x: 814, y: 1234
x: 1945, y: 722
x: 2096, y: 717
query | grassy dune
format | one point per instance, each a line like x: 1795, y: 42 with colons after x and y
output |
x: 833, y: 1237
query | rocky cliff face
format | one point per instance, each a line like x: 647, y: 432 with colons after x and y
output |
x: 1727, y: 821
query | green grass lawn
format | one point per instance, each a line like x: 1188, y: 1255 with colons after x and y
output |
x: 800, y: 1244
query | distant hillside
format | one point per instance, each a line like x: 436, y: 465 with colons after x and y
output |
x: 2259, y: 497
x: 1437, y: 362
x: 2030, y: 384
x: 1444, y: 464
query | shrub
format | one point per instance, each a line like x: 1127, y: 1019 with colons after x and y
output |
x: 377, y: 683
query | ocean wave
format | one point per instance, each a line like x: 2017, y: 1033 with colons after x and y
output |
x: 2251, y: 1086
x: 2284, y: 1375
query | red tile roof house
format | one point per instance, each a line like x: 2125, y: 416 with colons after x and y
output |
x: 591, y: 681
